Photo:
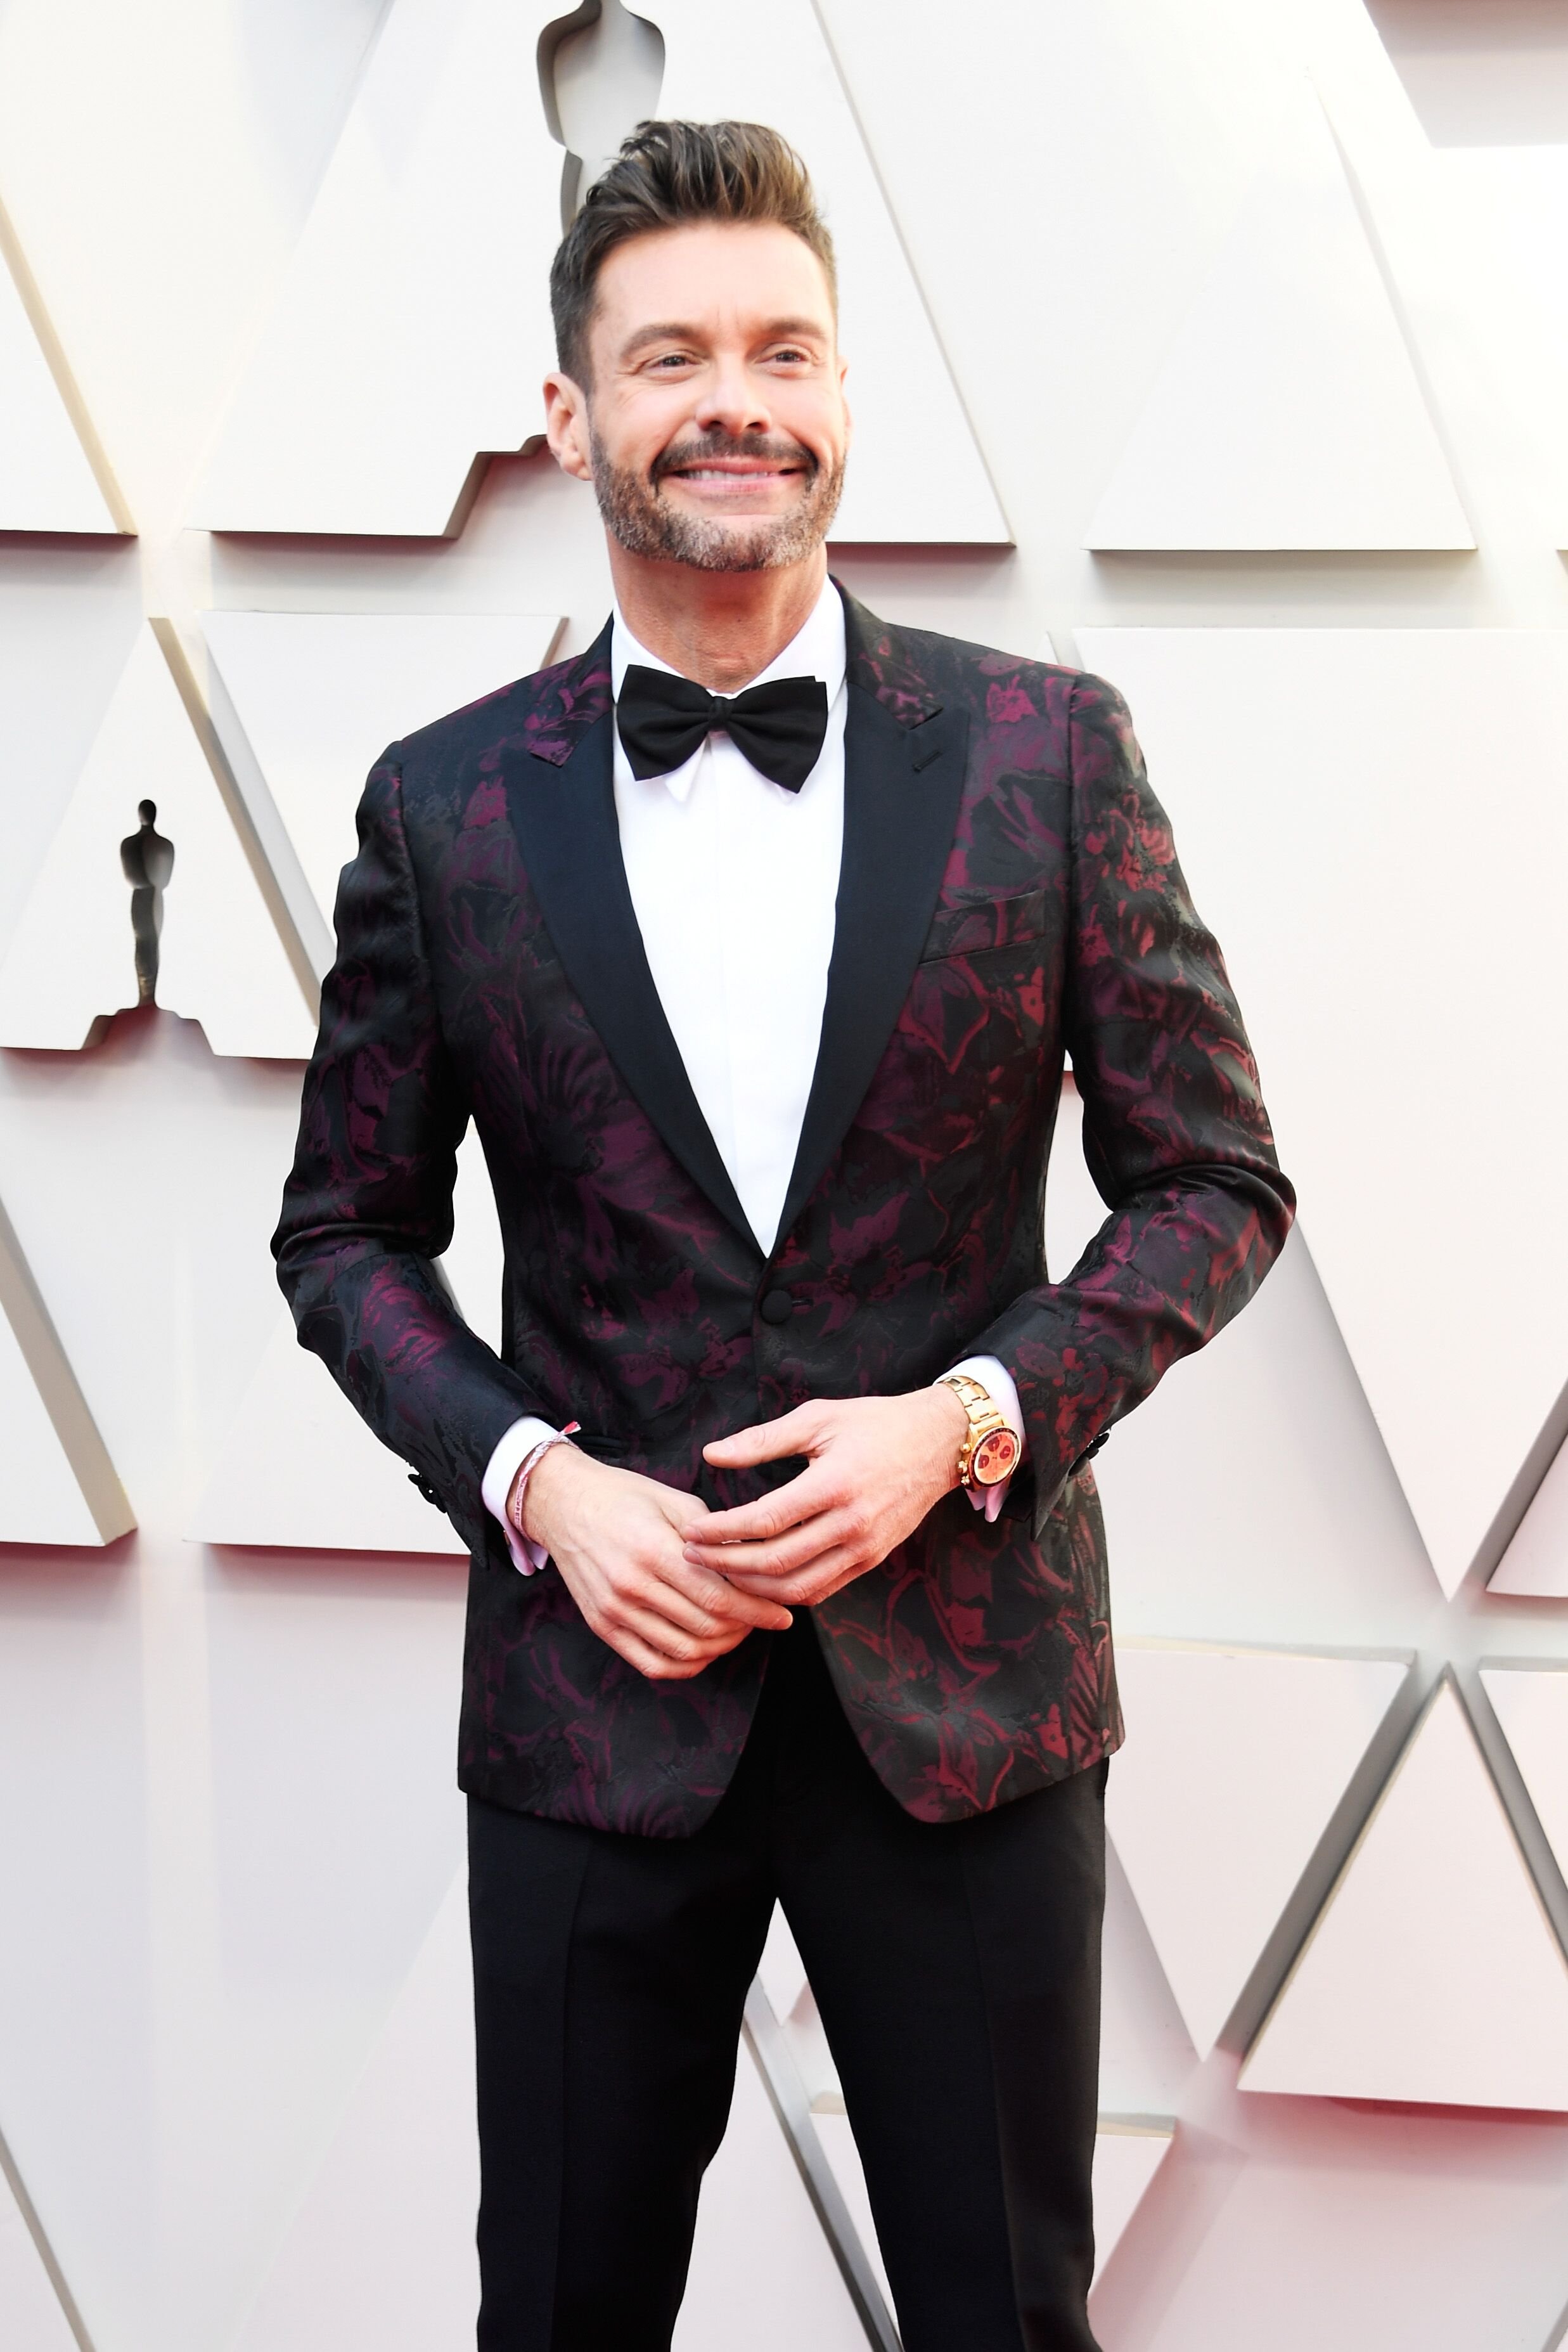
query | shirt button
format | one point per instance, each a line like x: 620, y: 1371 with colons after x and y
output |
x: 777, y: 1306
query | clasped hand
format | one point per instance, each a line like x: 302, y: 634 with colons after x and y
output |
x: 671, y: 1585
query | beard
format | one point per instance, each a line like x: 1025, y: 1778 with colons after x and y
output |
x: 644, y: 523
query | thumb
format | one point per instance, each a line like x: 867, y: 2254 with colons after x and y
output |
x: 682, y: 1511
x: 766, y: 1441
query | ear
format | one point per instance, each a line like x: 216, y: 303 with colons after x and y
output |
x: 566, y: 426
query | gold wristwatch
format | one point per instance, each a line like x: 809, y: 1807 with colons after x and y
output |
x: 991, y: 1452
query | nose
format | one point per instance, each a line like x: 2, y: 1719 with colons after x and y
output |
x: 732, y: 400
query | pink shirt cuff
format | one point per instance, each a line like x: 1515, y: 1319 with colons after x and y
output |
x: 523, y: 1437
x: 1002, y: 1389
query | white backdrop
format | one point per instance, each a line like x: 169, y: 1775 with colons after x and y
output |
x: 1240, y: 336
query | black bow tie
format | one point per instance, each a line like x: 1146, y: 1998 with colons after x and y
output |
x: 779, y: 727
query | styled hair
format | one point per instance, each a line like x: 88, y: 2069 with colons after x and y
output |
x: 667, y: 173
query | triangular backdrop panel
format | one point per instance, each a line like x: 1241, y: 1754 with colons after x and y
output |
x: 1336, y: 795
x: 321, y: 695
x: 474, y: 1264
x: 412, y: 329
x: 1128, y: 2150
x: 763, y: 2273
x: 58, y: 1485
x: 1288, y: 413
x: 46, y: 482
x: 382, y: 2247
x: 1531, y: 1705
x: 773, y: 65
x: 31, y: 2316
x: 432, y: 233
x: 222, y: 959
x: 1127, y: 2154
x: 300, y: 1470
x: 1432, y: 1974
x: 1211, y: 1880
x: 1536, y: 1561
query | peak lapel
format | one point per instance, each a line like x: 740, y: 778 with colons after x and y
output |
x: 903, y: 785
x: 562, y: 795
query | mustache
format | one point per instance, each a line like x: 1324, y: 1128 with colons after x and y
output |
x: 766, y: 448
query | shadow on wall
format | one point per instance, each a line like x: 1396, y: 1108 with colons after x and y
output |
x: 600, y: 70
x: 1481, y: 73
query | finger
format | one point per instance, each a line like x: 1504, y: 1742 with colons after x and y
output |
x: 674, y: 1644
x: 652, y: 1664
x: 703, y: 1587
x: 807, y: 1586
x: 766, y: 1440
x: 682, y: 1511
x: 702, y: 1603
x: 816, y: 1489
x: 782, y: 1554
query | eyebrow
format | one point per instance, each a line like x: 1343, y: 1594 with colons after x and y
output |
x: 682, y: 330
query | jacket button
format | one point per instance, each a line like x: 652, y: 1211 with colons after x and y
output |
x: 777, y: 1306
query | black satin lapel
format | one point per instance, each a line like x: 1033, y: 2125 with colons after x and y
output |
x: 902, y: 792
x: 564, y: 820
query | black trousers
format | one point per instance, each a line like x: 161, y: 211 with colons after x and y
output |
x: 958, y: 1973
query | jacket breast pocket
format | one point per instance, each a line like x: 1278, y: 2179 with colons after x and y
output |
x: 985, y: 924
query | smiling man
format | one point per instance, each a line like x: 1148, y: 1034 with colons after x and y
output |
x: 752, y: 940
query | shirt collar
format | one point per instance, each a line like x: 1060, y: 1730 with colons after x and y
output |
x: 818, y: 648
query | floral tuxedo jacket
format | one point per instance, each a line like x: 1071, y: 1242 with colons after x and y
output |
x: 1008, y: 893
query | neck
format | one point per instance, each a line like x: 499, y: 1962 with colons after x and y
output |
x: 718, y: 627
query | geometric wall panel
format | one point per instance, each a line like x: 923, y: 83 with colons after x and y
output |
x: 47, y: 480
x: 1350, y: 804
x: 1211, y: 1878
x: 380, y: 2251
x: 763, y: 2274
x: 1288, y: 413
x: 58, y: 1485
x: 412, y: 331
x: 321, y: 695
x: 31, y: 2318
x: 773, y: 65
x: 474, y: 1261
x: 1128, y: 2150
x: 1536, y: 1561
x: 1127, y: 2154
x: 1531, y: 1705
x: 1432, y: 1973
x: 299, y: 1470
x: 222, y: 960
x: 1147, y: 2058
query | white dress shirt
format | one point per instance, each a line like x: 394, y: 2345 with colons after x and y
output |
x: 733, y: 882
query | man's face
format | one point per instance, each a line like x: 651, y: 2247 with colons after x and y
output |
x: 716, y: 430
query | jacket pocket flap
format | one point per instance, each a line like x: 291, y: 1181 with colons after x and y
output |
x: 982, y: 924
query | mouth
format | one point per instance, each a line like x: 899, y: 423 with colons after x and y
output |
x: 740, y: 475
x: 734, y: 474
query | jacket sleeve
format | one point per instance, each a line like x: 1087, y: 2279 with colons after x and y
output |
x: 368, y: 1206
x: 1175, y: 1131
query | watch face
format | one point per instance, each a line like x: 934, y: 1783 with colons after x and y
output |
x: 996, y: 1458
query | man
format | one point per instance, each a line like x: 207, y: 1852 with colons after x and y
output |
x: 752, y: 940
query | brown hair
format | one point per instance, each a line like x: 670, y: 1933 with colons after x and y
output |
x: 668, y: 172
